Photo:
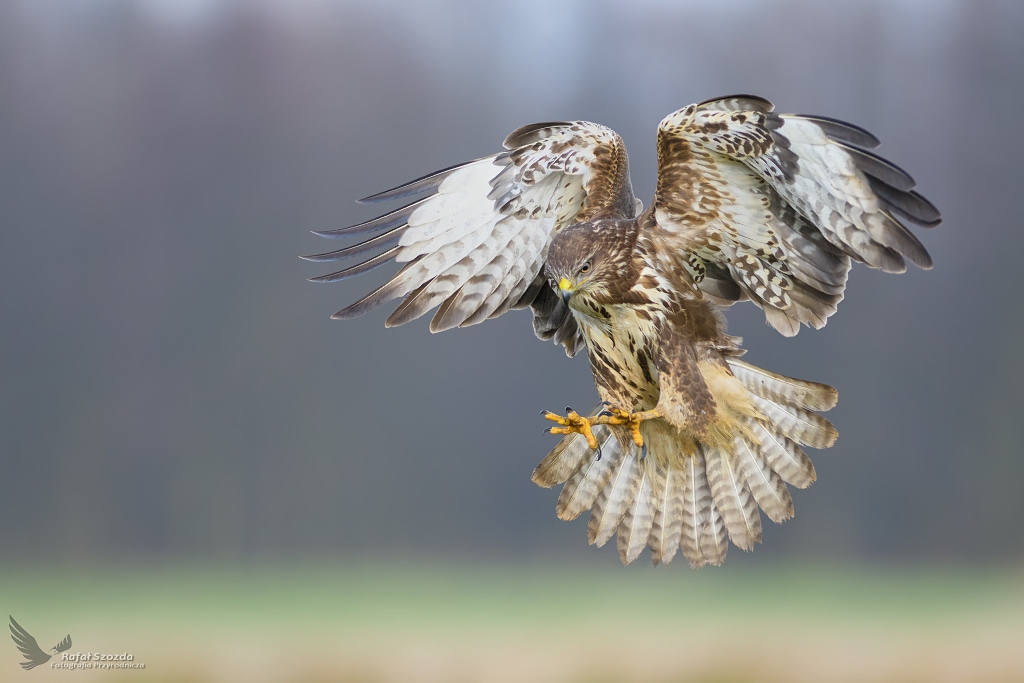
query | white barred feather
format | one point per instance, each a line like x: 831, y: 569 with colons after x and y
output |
x: 512, y: 287
x: 613, y: 500
x: 802, y: 426
x: 635, y: 527
x: 585, y: 486
x: 766, y: 486
x: 667, y: 525
x: 733, y: 499
x: 713, y: 538
x: 696, y: 499
x: 785, y: 457
x: 781, y: 389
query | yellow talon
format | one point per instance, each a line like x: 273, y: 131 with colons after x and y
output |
x: 572, y: 423
x: 618, y: 416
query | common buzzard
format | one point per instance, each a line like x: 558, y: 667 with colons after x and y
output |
x: 690, y: 440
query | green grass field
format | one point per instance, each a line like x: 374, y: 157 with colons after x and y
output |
x: 406, y: 623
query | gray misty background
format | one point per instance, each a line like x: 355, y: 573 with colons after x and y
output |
x: 171, y: 386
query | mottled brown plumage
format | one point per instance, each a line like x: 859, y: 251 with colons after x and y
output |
x: 691, y: 441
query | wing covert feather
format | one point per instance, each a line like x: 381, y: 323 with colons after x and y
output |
x: 780, y: 204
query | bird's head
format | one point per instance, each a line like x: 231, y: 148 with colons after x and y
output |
x: 591, y: 261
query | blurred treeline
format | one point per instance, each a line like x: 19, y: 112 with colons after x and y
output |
x: 170, y: 386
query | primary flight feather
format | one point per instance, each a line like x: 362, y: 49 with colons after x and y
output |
x: 690, y: 442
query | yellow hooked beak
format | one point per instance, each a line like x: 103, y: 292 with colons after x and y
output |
x: 565, y: 289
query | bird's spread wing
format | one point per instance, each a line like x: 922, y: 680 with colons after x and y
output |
x: 475, y: 244
x: 64, y: 645
x: 772, y: 207
x: 28, y: 646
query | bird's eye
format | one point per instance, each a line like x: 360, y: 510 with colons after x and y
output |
x: 585, y: 268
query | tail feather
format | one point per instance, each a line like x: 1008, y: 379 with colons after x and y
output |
x: 785, y: 457
x: 703, y: 539
x: 692, y: 495
x: 694, y: 506
x: 667, y: 526
x: 767, y: 486
x: 635, y: 527
x: 804, y: 427
x: 714, y: 539
x: 733, y: 498
x: 613, y: 500
x: 783, y: 390
x: 582, y: 489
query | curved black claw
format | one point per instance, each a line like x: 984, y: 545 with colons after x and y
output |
x: 643, y: 451
x: 569, y: 410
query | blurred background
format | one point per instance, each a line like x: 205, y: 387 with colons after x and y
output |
x: 197, y: 465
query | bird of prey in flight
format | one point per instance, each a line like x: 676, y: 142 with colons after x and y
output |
x: 34, y: 655
x: 690, y: 440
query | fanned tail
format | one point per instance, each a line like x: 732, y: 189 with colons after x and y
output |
x: 693, y: 496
